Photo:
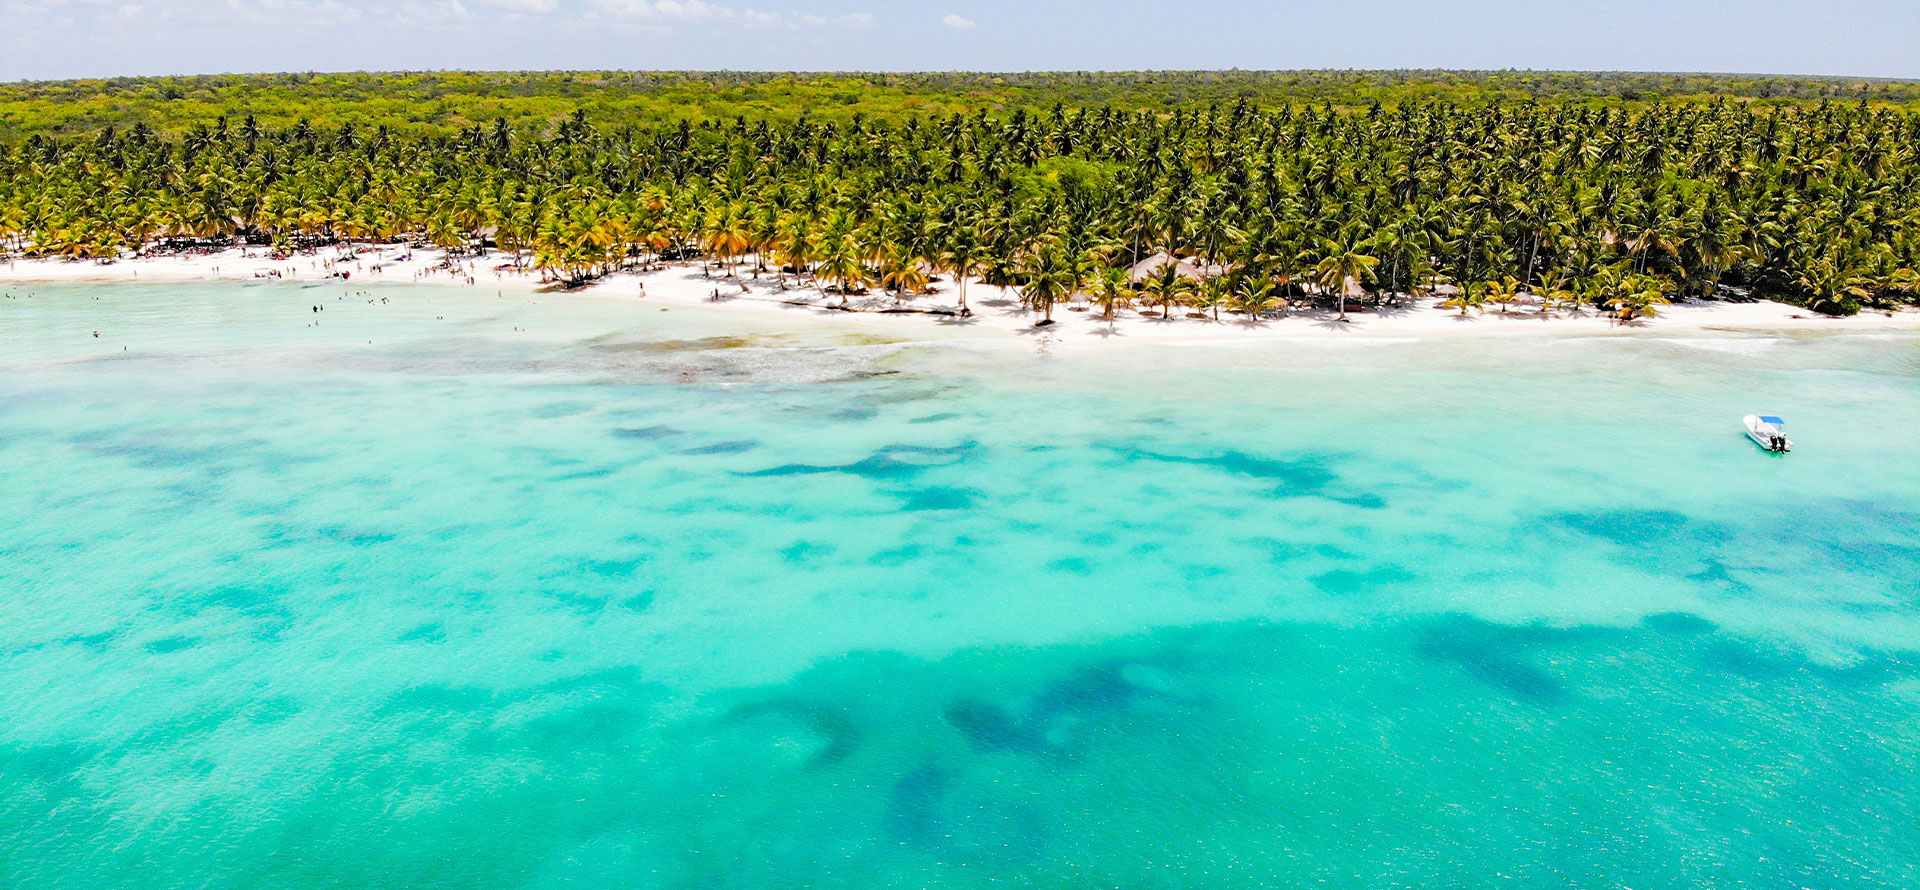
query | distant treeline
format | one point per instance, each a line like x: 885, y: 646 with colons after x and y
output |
x: 448, y: 101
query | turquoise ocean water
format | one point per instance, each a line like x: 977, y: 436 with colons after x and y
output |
x: 569, y: 592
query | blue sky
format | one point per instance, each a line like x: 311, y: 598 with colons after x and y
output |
x: 86, y: 38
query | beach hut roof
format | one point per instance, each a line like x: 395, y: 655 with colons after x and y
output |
x: 1150, y: 266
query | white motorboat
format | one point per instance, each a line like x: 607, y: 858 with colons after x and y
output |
x: 1768, y: 432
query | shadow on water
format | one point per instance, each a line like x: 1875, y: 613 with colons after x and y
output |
x: 836, y: 733
x: 1343, y: 582
x: 1240, y: 750
x: 645, y: 432
x: 888, y: 464
x: 1870, y: 543
x: 1222, y: 738
x: 939, y: 497
x: 1310, y: 476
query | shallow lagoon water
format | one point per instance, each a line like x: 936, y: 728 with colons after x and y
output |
x: 538, y: 591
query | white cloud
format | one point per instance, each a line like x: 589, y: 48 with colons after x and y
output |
x: 295, y: 13
x: 667, y: 11
x: 957, y: 23
x: 662, y: 13
x: 523, y: 7
x: 430, y: 13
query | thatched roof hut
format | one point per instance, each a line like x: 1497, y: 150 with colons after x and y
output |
x: 1149, y: 267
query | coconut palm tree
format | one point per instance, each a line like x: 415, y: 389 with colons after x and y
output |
x: 726, y: 232
x: 1253, y: 295
x: 1553, y: 293
x: 842, y: 265
x: 1050, y: 279
x: 1111, y: 288
x: 1462, y: 300
x: 1166, y: 286
x: 901, y: 272
x: 1637, y: 296
x: 1502, y: 293
x: 1791, y: 200
x: 1341, y: 268
x: 1833, y: 285
x: 1211, y: 294
x: 963, y: 257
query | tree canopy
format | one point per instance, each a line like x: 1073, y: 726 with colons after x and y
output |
x: 1616, y: 201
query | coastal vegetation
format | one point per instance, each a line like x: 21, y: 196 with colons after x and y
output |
x: 445, y: 102
x: 1354, y: 190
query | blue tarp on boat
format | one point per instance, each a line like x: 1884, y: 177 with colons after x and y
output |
x: 1773, y: 420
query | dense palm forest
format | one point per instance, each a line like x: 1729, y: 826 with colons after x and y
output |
x: 1624, y: 204
x: 443, y: 102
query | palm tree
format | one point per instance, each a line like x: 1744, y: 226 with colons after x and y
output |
x: 1793, y: 200
x: 1462, y: 300
x: 1111, y: 288
x: 1253, y: 295
x: 901, y: 272
x: 727, y: 233
x: 1343, y: 267
x: 793, y: 242
x: 1638, y: 295
x: 1553, y: 293
x: 1833, y: 286
x: 1167, y: 286
x: 1050, y: 278
x: 963, y: 257
x: 1211, y: 295
x: 1502, y: 293
x: 842, y: 265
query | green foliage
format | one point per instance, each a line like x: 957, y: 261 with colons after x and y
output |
x: 1551, y: 182
x: 445, y: 102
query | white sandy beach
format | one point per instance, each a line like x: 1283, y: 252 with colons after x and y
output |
x: 997, y: 311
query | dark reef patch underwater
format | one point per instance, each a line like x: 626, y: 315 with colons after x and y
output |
x: 1246, y: 754
x: 640, y: 600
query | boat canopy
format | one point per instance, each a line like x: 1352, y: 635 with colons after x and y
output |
x: 1773, y: 420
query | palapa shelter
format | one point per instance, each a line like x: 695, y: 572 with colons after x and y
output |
x: 1147, y: 268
